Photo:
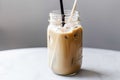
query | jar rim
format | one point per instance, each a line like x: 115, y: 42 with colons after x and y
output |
x: 67, y: 13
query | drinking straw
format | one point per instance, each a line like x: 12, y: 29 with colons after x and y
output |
x: 62, y: 12
x: 63, y: 22
x: 73, y: 11
x: 53, y: 54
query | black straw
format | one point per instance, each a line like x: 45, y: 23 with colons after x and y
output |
x: 62, y: 12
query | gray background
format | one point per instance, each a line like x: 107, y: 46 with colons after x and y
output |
x: 23, y: 23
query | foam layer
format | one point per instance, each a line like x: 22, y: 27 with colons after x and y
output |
x: 69, y: 27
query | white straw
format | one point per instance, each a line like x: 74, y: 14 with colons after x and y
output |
x: 73, y: 10
x: 53, y: 54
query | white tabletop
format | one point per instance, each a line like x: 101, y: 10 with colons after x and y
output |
x: 31, y: 64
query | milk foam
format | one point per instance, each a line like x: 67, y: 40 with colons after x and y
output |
x: 69, y: 27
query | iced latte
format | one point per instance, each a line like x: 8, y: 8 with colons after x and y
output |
x: 64, y: 44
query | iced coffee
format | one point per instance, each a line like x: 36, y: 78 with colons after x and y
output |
x: 64, y: 44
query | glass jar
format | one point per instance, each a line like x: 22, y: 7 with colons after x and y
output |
x: 64, y: 43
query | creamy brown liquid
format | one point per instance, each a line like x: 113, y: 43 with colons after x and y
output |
x: 65, y: 50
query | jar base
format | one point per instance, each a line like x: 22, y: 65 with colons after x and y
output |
x: 70, y: 74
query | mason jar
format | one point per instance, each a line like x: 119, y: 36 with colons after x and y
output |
x: 64, y: 43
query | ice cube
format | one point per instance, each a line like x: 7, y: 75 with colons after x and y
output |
x: 69, y: 25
